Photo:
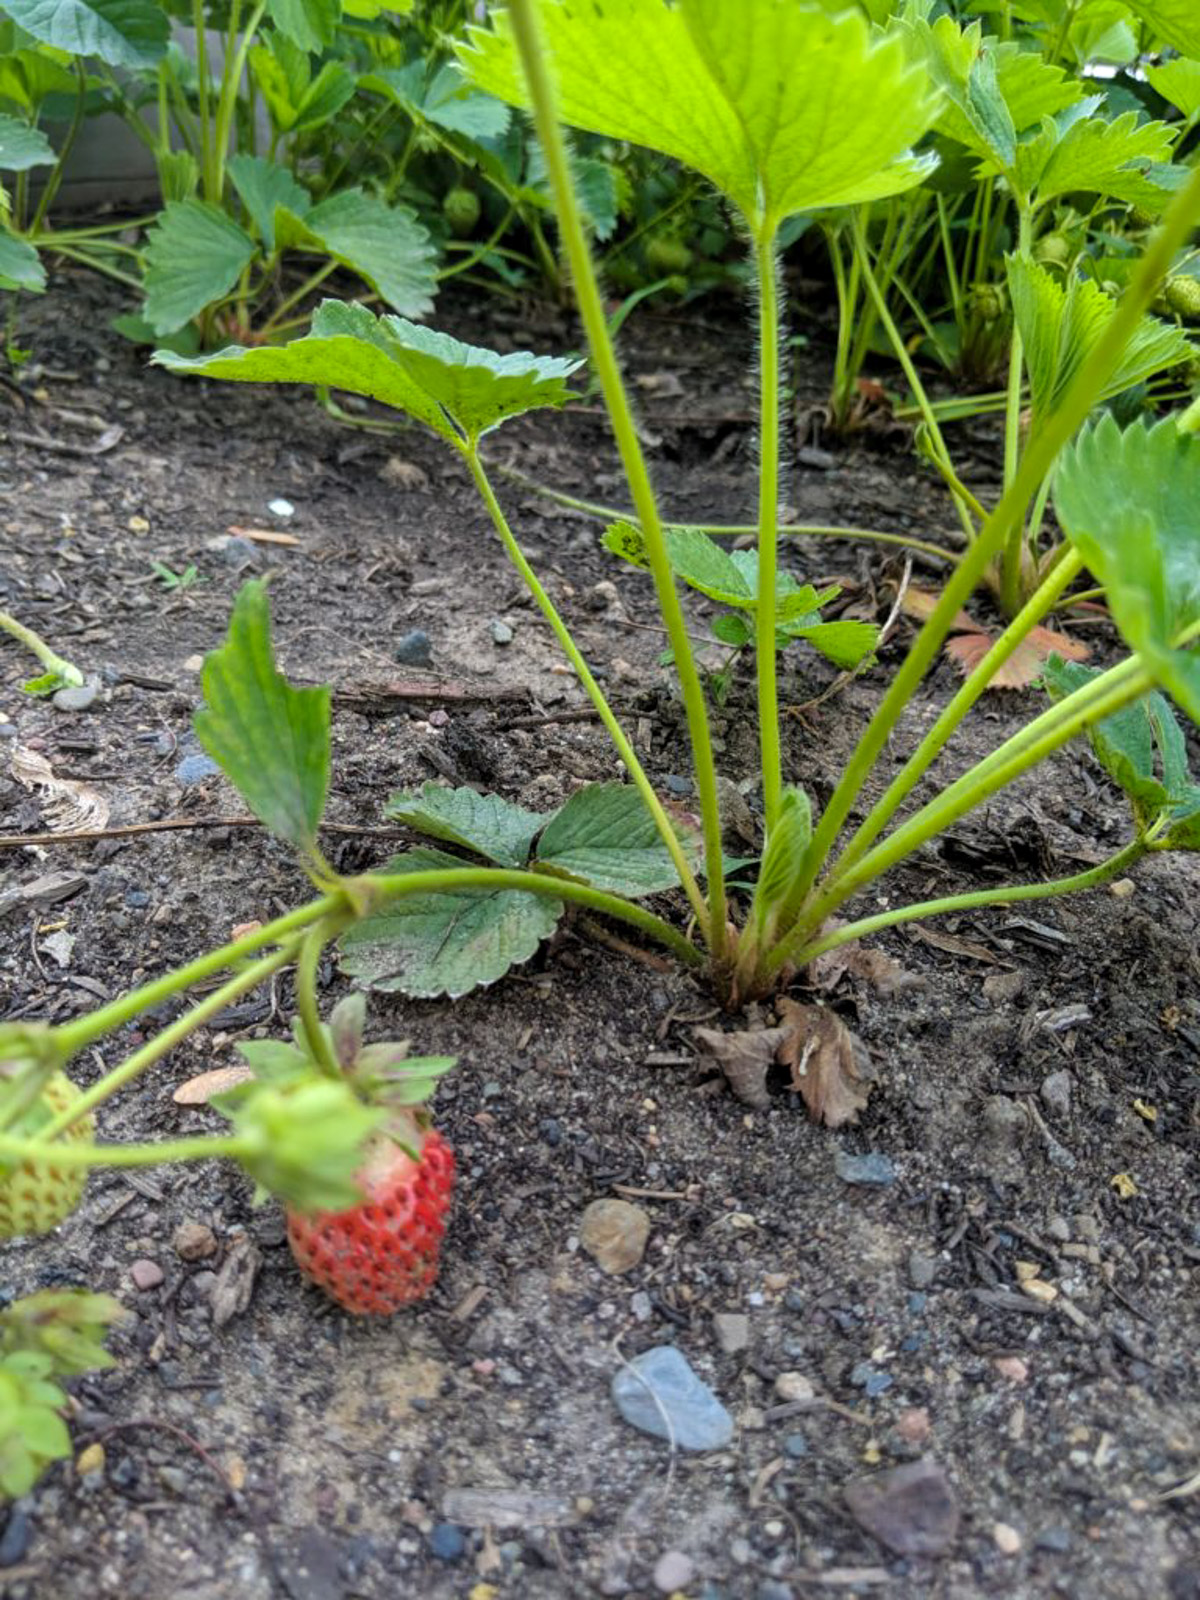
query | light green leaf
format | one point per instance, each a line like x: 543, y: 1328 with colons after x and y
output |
x: 703, y: 81
x: 458, y: 390
x: 605, y: 835
x: 447, y: 942
x: 194, y: 256
x: 847, y: 643
x: 1178, y: 82
x: 446, y: 99
x: 1108, y: 158
x: 1061, y: 324
x: 484, y: 823
x: 1176, y: 22
x: 384, y: 244
x: 178, y: 174
x: 1127, y: 500
x: 122, y: 33
x: 23, y: 146
x: 264, y: 187
x: 310, y: 24
x: 20, y: 265
x: 270, y: 740
x: 782, y: 863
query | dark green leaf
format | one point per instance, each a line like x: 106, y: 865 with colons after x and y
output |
x: 449, y: 941
x: 22, y: 146
x: 264, y: 187
x: 491, y: 827
x: 605, y: 835
x: 310, y: 24
x: 20, y: 267
x: 446, y: 99
x: 122, y: 33
x: 270, y: 740
x: 194, y: 256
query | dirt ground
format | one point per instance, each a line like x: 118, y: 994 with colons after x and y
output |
x: 471, y: 1447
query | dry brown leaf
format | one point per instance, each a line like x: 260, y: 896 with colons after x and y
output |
x: 830, y: 1066
x: 953, y: 946
x: 883, y: 972
x: 263, y: 535
x: 68, y: 806
x: 919, y: 603
x: 744, y: 1058
x: 199, y: 1091
x: 1025, y: 664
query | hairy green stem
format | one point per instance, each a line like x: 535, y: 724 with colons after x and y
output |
x: 165, y: 1041
x: 768, y: 516
x: 1010, y: 578
x: 1040, y: 455
x: 313, y: 281
x: 943, y: 729
x: 562, y: 633
x: 208, y: 175
x: 1093, y: 878
x: 307, y: 1009
x: 526, y: 33
x: 230, y: 79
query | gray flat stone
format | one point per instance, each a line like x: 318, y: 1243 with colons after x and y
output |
x: 910, y: 1509
x: 659, y: 1393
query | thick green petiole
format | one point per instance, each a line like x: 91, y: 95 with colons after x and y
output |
x: 523, y: 17
x: 38, y: 647
x: 201, y: 1148
x: 768, y: 516
x: 594, y: 692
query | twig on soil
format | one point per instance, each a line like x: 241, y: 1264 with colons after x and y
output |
x: 16, y: 841
x: 184, y: 1437
x: 613, y: 941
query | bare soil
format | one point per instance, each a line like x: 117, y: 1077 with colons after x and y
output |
x: 295, y: 1452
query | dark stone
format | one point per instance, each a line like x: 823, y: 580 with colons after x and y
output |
x: 448, y: 1542
x: 15, y: 1540
x: 414, y: 649
x: 910, y: 1509
x: 873, y: 1169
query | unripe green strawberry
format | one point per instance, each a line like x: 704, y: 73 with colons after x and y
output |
x: 668, y: 255
x: 37, y: 1195
x: 461, y: 209
x: 1052, y: 250
x: 383, y: 1254
x: 1182, y: 294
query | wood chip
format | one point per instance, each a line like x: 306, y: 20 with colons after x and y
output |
x: 198, y: 1091
x: 264, y: 535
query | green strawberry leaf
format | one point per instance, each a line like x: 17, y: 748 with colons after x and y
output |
x: 23, y: 146
x: 1127, y: 500
x: 1176, y: 22
x: 384, y: 244
x: 491, y: 827
x: 458, y: 390
x: 271, y: 741
x: 846, y: 644
x: 1061, y: 324
x: 782, y: 863
x: 1178, y: 82
x: 194, y: 256
x: 264, y: 188
x: 1116, y: 159
x: 66, y: 1327
x: 446, y: 99
x: 605, y: 835
x: 20, y: 265
x: 121, y: 33
x: 310, y: 24
x: 446, y: 941
x: 701, y: 81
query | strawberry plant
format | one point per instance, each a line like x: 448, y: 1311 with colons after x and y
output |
x: 331, y: 1124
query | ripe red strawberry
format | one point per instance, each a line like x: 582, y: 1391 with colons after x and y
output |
x: 383, y: 1254
x: 36, y: 1196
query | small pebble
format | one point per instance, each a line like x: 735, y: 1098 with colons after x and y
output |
x: 1056, y: 1540
x: 195, y: 768
x: 15, y: 1540
x: 447, y: 1541
x: 8, y: 730
x: 414, y: 649
x: 1007, y: 1539
x: 500, y: 631
x: 732, y: 1329
x: 873, y: 1169
x: 614, y: 1233
x: 795, y: 1446
x: 659, y: 1393
x: 641, y: 1306
x: 1056, y: 1092
x: 194, y: 1241
x: 913, y: 1425
x: 673, y: 1571
x: 281, y: 508
x: 239, y: 553
x: 773, y: 1589
x: 146, y: 1274
x: 79, y: 698
x: 793, y: 1388
x: 678, y: 785
x: 922, y: 1269
x: 1012, y: 1368
x: 174, y: 1478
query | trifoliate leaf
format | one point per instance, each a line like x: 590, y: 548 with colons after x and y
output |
x: 458, y: 390
x: 1113, y: 159
x: 194, y: 256
x: 20, y: 265
x: 121, y: 33
x: 1061, y: 324
x: 703, y: 81
x: 490, y: 826
x: 605, y: 835
x: 446, y: 941
x: 23, y: 146
x: 1127, y: 500
x: 271, y: 741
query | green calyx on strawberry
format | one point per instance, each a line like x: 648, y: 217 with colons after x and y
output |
x: 35, y: 1194
x: 366, y: 1179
